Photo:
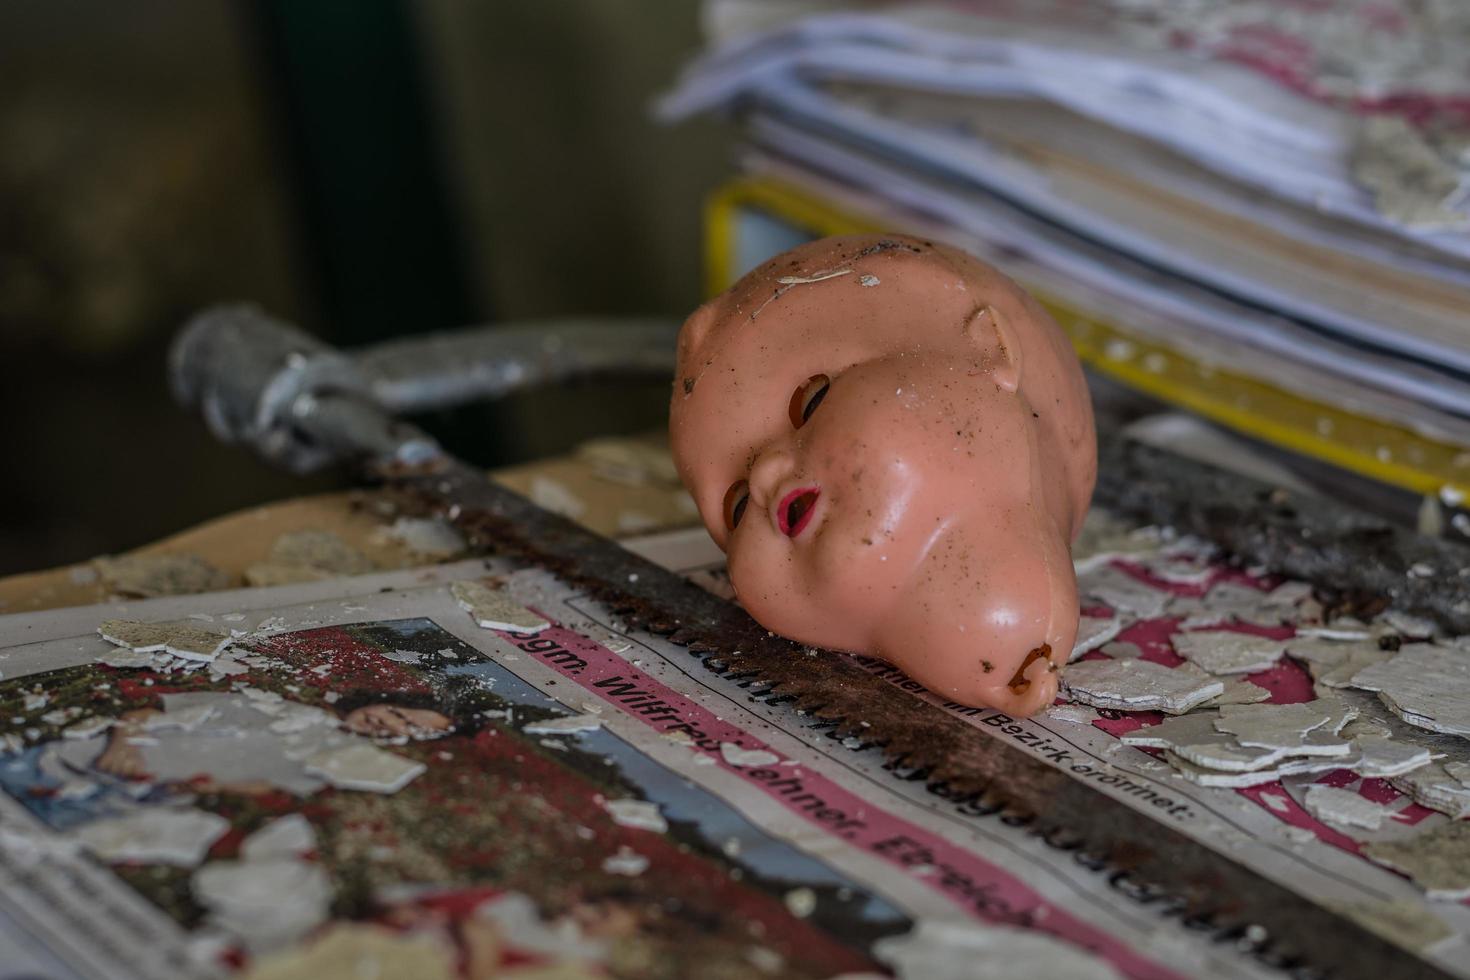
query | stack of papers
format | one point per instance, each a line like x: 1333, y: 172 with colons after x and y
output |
x: 1281, y: 190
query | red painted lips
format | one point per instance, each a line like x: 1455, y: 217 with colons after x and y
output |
x: 796, y: 510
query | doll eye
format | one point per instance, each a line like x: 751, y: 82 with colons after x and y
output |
x: 735, y: 500
x: 807, y: 396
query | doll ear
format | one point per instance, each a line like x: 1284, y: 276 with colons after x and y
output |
x: 697, y: 327
x: 692, y: 336
x: 992, y: 334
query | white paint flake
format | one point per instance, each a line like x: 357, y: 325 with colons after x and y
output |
x: 178, y: 639
x: 494, y: 609
x: 1140, y: 685
x: 638, y: 814
x: 285, y: 837
x: 1437, y: 860
x: 964, y: 950
x: 1093, y: 632
x: 736, y: 756
x: 159, y: 575
x: 554, y: 496
x: 154, y: 835
x: 364, y: 767
x: 1298, y: 729
x: 432, y: 537
x: 1122, y: 592
x: 800, y: 902
x: 1343, y: 808
x: 1427, y: 686
x: 626, y: 862
x: 1239, y: 692
x: 1228, y: 652
x: 1072, y: 714
x: 566, y: 725
x: 267, y: 903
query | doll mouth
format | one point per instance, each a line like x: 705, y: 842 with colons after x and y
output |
x: 796, y: 509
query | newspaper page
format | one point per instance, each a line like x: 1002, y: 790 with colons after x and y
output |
x: 360, y: 776
x: 1367, y: 846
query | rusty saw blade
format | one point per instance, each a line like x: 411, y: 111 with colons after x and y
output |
x: 1145, y: 859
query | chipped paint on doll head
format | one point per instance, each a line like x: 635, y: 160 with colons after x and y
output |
x: 894, y: 445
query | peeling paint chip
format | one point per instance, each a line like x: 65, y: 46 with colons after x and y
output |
x: 494, y: 609
x: 1228, y: 652
x: 638, y: 814
x: 432, y: 537
x: 951, y: 950
x: 180, y: 639
x: 158, y: 575
x: 1140, y: 685
x: 1301, y: 729
x: 364, y: 767
x: 155, y: 835
x: 1426, y: 686
x: 566, y: 725
x: 1344, y: 808
x: 1123, y: 593
x: 626, y: 862
x: 1072, y: 714
x: 736, y: 756
x: 1437, y: 860
x: 1093, y: 632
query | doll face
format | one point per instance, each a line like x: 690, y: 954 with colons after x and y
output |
x: 857, y: 445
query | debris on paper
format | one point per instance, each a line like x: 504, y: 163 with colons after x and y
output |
x: 958, y: 950
x: 736, y: 756
x: 565, y: 725
x: 1239, y: 691
x: 1333, y: 663
x: 1427, y: 686
x: 554, y: 496
x: 126, y: 659
x: 179, y: 639
x: 1122, y: 592
x: 148, y: 576
x: 320, y: 549
x: 1226, y: 602
x: 365, y: 951
x: 1104, y: 537
x: 494, y: 609
x: 1407, y: 924
x: 1072, y: 714
x: 1228, y: 652
x: 1299, y: 729
x: 285, y: 837
x: 638, y: 814
x: 265, y: 903
x: 268, y: 574
x: 155, y: 835
x: 1437, y: 860
x: 432, y: 537
x: 1343, y: 808
x: 629, y: 462
x: 364, y: 767
x: 626, y: 862
x: 800, y: 902
x: 1093, y: 632
x: 1411, y: 182
x: 1379, y: 757
x: 1140, y: 685
x: 1439, y: 786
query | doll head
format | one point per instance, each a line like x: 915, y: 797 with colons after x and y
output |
x: 894, y: 446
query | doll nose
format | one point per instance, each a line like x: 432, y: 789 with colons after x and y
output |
x: 770, y: 469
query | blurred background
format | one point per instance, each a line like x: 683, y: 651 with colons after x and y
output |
x: 1250, y: 217
x: 364, y: 168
